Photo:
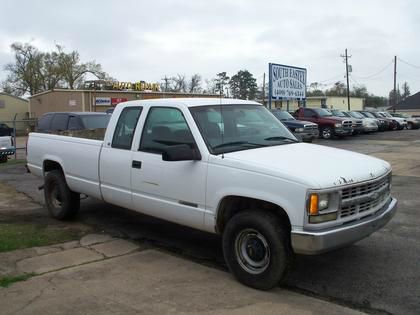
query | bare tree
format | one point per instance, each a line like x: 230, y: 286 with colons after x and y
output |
x: 179, y: 83
x: 195, y: 84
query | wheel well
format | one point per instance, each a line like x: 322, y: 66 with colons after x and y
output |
x: 231, y: 205
x: 51, y: 166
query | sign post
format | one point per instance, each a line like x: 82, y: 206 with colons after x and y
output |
x: 286, y: 83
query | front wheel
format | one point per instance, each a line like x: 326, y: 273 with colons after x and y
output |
x: 61, y: 202
x: 326, y: 133
x: 257, y: 250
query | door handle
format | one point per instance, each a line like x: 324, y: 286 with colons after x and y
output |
x: 136, y: 164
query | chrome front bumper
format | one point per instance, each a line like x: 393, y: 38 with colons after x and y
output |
x: 317, y: 242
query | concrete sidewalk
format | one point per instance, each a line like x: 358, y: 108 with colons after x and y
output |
x: 115, y: 276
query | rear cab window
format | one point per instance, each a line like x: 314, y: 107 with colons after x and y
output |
x: 126, y: 127
x: 59, y: 122
x: 45, y: 122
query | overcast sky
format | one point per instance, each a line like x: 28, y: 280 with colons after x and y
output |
x: 146, y: 40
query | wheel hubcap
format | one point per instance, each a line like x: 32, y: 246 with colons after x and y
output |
x: 56, y: 198
x: 252, y: 251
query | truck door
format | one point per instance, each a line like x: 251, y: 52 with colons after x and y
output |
x: 309, y: 115
x: 171, y: 190
x: 115, y: 160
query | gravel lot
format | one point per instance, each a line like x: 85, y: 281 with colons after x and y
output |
x: 380, y: 274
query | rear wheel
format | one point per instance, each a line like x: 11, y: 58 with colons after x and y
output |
x: 257, y: 250
x: 61, y: 202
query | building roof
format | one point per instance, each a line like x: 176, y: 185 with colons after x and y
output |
x: 122, y: 91
x: 411, y: 102
x: 17, y: 97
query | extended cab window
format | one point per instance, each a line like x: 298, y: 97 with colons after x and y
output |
x: 164, y: 127
x: 126, y: 126
x: 44, y: 122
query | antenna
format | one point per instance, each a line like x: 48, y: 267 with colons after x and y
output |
x: 222, y: 131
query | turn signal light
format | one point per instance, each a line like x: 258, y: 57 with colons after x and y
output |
x: 313, y: 204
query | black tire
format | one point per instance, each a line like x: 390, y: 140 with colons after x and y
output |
x: 61, y: 202
x: 262, y: 235
x: 3, y: 158
x: 327, y: 133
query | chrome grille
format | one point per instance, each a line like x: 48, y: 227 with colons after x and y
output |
x: 310, y: 127
x: 347, y: 123
x: 357, y: 123
x: 364, y: 198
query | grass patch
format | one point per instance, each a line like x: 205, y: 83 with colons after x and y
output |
x: 24, y: 235
x: 8, y: 280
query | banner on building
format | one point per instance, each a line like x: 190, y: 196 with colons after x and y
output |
x: 102, y: 101
x: 286, y: 82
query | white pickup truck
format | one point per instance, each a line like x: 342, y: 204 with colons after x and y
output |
x: 222, y: 166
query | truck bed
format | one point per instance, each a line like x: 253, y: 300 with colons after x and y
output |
x: 79, y: 158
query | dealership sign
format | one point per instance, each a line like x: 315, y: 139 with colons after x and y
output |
x: 286, y: 82
x: 102, y: 101
x: 136, y: 86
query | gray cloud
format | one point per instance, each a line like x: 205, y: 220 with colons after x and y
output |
x: 146, y: 40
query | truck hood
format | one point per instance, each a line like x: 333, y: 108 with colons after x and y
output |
x: 297, y: 123
x: 314, y: 166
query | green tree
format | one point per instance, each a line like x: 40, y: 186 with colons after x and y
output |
x: 359, y: 91
x: 405, y: 91
x: 339, y: 89
x: 394, y: 97
x: 315, y: 90
x: 243, y: 85
x: 34, y: 71
x: 220, y: 82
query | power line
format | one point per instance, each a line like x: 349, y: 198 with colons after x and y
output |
x: 376, y: 73
x: 407, y: 63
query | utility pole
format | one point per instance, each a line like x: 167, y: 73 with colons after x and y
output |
x: 346, y: 57
x: 395, y: 84
x: 263, y: 90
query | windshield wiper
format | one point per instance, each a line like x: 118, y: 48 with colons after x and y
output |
x: 279, y: 138
x: 240, y: 143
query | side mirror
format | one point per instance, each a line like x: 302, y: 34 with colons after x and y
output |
x: 180, y: 152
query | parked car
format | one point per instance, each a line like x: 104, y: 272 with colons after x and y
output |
x: 357, y: 123
x: 392, y: 123
x: 222, y: 166
x: 401, y: 122
x: 305, y: 130
x: 5, y: 130
x: 369, y: 124
x: 412, y: 122
x: 54, y: 122
x: 6, y: 148
x: 329, y: 125
x: 383, y: 124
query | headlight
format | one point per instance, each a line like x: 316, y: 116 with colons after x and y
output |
x: 338, y: 125
x: 299, y: 130
x: 322, y: 207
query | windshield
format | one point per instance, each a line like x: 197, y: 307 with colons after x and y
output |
x: 337, y: 113
x: 230, y: 128
x: 368, y: 114
x: 356, y: 115
x: 385, y: 114
x: 322, y: 112
x: 95, y: 121
x: 282, y: 115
